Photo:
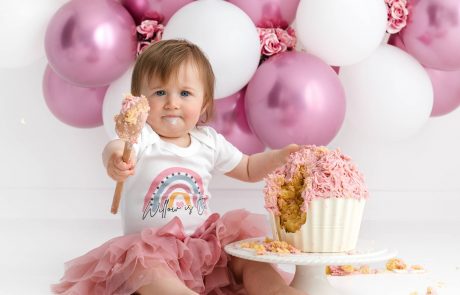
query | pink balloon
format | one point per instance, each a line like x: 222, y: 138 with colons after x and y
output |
x: 230, y: 120
x: 432, y: 34
x: 160, y: 10
x: 446, y: 88
x: 269, y: 13
x: 73, y: 105
x: 91, y: 43
x: 295, y: 97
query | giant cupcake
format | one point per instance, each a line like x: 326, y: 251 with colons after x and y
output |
x: 316, y: 200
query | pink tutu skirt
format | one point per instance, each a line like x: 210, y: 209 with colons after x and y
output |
x: 124, y: 264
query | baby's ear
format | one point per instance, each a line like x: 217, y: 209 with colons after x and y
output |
x: 203, y: 110
x: 204, y: 107
x: 204, y: 114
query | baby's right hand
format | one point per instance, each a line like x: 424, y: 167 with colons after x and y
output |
x: 119, y: 170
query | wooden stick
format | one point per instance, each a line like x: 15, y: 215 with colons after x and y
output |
x: 119, y: 187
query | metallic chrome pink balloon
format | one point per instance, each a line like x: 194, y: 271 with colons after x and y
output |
x: 91, y: 43
x: 446, y: 88
x: 160, y: 10
x: 230, y: 121
x: 269, y: 13
x: 73, y: 105
x: 432, y: 34
x: 295, y: 97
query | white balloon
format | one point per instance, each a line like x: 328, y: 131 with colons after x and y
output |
x: 389, y: 95
x: 113, y: 99
x: 341, y: 32
x: 226, y: 35
x: 22, y: 29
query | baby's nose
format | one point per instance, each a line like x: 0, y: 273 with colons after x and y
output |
x: 172, y: 102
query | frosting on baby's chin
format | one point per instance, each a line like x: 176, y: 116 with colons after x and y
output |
x: 172, y: 120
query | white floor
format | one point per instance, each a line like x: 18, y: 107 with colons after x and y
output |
x: 32, y: 253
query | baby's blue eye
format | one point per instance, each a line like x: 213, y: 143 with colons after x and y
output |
x: 160, y: 92
x: 185, y: 93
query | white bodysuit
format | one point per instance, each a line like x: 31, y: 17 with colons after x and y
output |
x: 173, y: 181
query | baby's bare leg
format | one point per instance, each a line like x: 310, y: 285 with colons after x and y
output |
x: 259, y: 276
x: 172, y: 286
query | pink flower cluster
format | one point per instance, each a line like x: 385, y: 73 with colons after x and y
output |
x: 148, y: 32
x: 397, y: 15
x: 276, y: 40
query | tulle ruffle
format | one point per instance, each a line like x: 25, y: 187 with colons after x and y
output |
x: 124, y: 264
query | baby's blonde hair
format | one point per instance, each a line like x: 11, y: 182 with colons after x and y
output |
x: 163, y: 60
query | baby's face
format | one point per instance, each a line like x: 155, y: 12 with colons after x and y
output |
x: 175, y: 105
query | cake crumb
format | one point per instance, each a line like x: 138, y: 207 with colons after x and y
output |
x: 417, y: 269
x: 340, y: 270
x: 365, y: 270
x: 270, y: 246
x: 396, y: 264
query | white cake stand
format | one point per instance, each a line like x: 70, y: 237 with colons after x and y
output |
x: 310, y: 275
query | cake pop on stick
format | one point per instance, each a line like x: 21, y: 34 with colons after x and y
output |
x: 128, y: 125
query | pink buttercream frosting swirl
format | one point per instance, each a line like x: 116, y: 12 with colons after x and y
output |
x: 328, y: 173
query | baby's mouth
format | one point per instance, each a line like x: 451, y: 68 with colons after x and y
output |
x: 173, y: 120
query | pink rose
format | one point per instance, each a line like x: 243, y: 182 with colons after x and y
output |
x: 147, y: 28
x: 397, y: 15
x: 150, y: 31
x: 287, y: 37
x: 396, y: 25
x: 391, y: 2
x: 264, y: 31
x: 291, y: 31
x: 276, y: 40
x: 159, y: 33
x: 271, y: 45
x: 141, y: 46
x: 398, y: 11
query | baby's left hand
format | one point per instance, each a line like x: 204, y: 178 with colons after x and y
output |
x: 286, y: 151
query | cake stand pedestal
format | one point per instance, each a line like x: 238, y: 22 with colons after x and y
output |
x: 310, y: 275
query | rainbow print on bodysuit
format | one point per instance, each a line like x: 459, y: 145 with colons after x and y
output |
x: 175, y: 189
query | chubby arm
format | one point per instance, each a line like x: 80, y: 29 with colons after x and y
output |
x: 112, y: 158
x: 255, y: 167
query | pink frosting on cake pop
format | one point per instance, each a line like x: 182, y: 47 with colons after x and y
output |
x: 329, y: 173
x: 132, y: 117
